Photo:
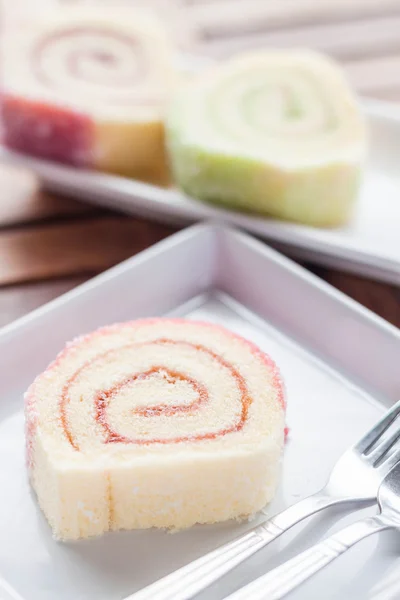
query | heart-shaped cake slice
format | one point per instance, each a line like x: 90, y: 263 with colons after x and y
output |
x: 154, y: 423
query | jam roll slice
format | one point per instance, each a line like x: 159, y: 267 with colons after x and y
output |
x: 154, y: 423
x: 87, y: 87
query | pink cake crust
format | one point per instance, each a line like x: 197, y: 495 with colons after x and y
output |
x: 47, y: 131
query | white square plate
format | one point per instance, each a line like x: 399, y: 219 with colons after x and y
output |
x: 340, y: 364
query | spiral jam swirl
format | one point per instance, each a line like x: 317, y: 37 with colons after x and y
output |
x: 95, y: 62
x: 161, y: 390
x: 169, y: 378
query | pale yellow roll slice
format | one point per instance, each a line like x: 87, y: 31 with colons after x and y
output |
x: 87, y: 86
x: 154, y: 423
x: 276, y: 132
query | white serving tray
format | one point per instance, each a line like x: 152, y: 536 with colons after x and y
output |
x: 340, y: 365
x: 370, y: 245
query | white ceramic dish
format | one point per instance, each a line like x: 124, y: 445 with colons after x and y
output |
x: 340, y: 364
x: 370, y: 245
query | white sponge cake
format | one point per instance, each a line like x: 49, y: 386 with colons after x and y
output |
x: 154, y: 423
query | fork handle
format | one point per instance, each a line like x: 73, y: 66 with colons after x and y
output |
x: 283, y: 579
x: 191, y: 579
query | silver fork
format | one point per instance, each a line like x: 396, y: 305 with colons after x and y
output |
x: 355, y: 478
x: 280, y: 581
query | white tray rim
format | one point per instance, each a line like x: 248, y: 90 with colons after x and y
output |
x: 384, y: 335
x: 215, y: 228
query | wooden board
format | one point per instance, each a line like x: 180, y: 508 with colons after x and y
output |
x: 72, y: 248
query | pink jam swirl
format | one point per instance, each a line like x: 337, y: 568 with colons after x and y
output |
x: 104, y: 397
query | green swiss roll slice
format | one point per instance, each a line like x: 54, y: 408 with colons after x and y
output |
x: 277, y: 133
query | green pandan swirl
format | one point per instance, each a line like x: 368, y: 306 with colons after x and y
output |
x: 270, y: 107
